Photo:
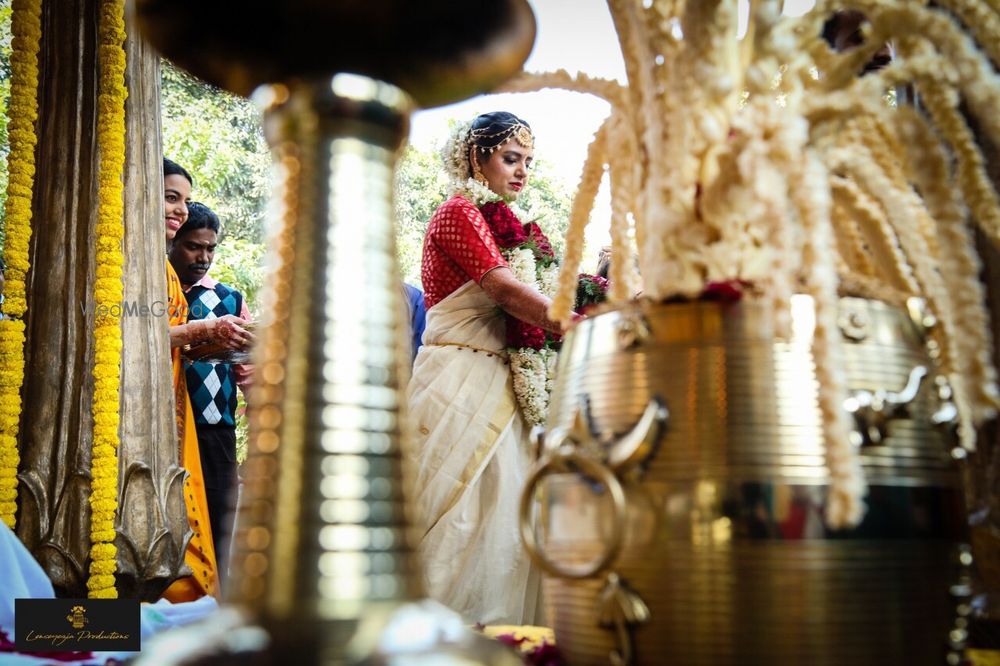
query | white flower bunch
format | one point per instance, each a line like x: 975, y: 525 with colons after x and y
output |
x: 533, y: 369
x: 548, y: 279
x: 522, y: 265
x: 455, y: 153
x: 530, y: 374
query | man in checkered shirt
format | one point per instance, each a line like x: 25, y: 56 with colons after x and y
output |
x: 211, y: 385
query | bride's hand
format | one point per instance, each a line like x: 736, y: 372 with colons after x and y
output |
x: 228, y: 331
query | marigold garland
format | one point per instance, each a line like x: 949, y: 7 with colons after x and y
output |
x: 23, y: 110
x: 107, y: 293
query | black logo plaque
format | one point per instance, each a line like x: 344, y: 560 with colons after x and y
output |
x: 70, y: 625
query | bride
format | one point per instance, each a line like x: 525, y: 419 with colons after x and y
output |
x: 472, y: 452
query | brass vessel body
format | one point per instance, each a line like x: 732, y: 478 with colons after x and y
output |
x: 724, y: 540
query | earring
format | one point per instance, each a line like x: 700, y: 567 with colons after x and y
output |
x: 477, y: 172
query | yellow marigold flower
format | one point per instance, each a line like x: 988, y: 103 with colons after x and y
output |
x: 103, y: 568
x: 100, y: 582
x: 107, y: 292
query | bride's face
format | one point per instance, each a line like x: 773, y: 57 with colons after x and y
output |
x: 506, y: 170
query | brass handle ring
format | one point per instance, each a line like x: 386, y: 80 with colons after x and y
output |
x: 557, y: 461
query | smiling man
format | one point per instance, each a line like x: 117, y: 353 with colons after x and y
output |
x: 211, y: 385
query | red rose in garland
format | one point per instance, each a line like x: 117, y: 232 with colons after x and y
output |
x: 507, y: 229
x: 537, y: 236
x: 521, y: 335
x: 726, y: 291
x: 590, y: 290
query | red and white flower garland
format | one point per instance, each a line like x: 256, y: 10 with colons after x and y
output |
x: 532, y: 350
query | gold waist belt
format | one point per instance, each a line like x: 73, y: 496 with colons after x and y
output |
x: 475, y: 350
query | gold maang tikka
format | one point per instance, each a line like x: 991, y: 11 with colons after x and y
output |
x: 523, y: 136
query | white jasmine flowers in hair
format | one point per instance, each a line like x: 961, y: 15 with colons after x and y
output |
x: 455, y: 155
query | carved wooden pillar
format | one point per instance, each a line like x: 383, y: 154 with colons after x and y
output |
x: 56, y: 421
x: 152, y: 521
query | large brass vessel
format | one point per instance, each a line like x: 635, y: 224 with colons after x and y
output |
x: 683, y: 487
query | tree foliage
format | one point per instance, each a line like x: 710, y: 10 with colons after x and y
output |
x: 547, y: 201
x: 422, y: 186
x: 239, y: 263
x: 218, y: 138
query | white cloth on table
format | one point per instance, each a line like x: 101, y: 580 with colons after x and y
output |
x: 23, y: 577
x: 472, y: 455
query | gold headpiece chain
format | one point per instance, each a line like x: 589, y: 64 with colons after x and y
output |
x: 518, y: 131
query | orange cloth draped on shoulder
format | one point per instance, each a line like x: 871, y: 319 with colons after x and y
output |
x: 200, y: 552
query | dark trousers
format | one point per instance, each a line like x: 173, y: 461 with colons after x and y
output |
x: 217, y: 445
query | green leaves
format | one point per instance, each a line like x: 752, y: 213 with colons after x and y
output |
x: 218, y: 138
x: 421, y: 186
x: 239, y: 264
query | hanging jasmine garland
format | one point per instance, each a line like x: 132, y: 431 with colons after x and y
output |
x: 23, y: 110
x: 108, y: 293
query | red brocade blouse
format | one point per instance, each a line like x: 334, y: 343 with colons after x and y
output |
x: 458, y: 247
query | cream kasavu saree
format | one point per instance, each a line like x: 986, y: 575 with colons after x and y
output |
x: 472, y: 456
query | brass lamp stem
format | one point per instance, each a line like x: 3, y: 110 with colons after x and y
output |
x: 322, y: 528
